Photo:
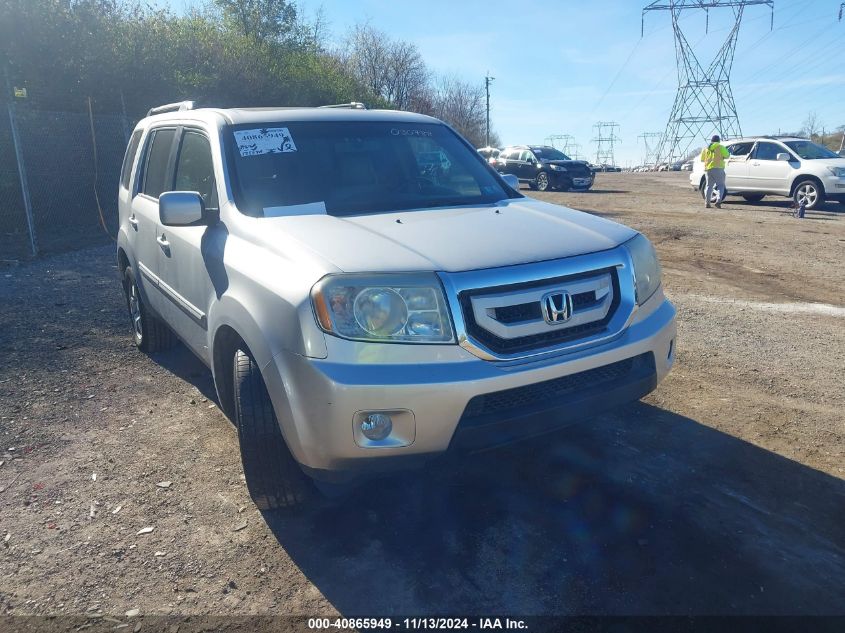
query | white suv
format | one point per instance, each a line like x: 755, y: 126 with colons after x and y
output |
x: 783, y: 166
x: 360, y: 311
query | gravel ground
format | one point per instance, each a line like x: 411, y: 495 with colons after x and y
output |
x: 721, y: 493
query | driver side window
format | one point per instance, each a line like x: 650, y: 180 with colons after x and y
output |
x: 767, y: 151
x: 195, y: 168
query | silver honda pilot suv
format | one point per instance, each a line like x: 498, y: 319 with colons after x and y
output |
x: 361, y: 311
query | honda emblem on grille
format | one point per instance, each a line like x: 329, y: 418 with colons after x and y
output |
x: 556, y: 307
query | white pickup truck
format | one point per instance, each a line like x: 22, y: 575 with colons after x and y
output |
x: 361, y: 311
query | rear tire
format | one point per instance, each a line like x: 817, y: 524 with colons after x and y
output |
x: 148, y: 331
x: 273, y: 477
x: 753, y: 197
x: 810, y: 192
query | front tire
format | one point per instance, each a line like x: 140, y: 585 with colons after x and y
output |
x: 542, y: 181
x: 810, y: 192
x: 273, y: 476
x: 148, y: 331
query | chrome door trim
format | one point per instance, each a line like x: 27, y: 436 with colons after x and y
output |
x: 183, y: 304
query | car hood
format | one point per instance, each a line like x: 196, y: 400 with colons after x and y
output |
x: 450, y: 239
x: 825, y: 162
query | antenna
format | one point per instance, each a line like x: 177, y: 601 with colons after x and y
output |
x: 704, y: 102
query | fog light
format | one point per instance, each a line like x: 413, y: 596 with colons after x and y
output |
x: 376, y: 426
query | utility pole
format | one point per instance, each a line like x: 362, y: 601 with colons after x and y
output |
x: 704, y: 103
x: 605, y: 140
x: 487, y: 80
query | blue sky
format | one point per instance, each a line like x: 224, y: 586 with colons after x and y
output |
x: 560, y: 66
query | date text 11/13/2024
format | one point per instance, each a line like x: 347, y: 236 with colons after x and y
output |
x: 416, y: 623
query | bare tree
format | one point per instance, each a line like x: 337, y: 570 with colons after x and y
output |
x: 391, y: 69
x: 810, y: 127
x: 461, y: 104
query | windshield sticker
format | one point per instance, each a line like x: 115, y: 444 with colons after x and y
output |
x: 309, y: 208
x: 398, y: 131
x: 272, y: 140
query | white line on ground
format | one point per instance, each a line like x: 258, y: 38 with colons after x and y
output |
x: 791, y: 308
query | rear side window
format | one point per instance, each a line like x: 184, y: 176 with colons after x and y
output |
x: 158, y: 156
x: 740, y: 149
x: 129, y: 159
x: 195, y: 169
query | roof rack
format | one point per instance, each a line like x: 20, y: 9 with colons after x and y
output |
x: 179, y: 106
x: 352, y: 105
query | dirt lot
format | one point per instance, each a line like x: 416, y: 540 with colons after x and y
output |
x: 721, y: 493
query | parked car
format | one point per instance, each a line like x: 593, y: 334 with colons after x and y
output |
x: 779, y: 165
x: 490, y: 154
x: 358, y: 317
x: 687, y: 166
x: 544, y: 168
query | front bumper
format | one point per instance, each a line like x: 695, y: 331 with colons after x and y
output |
x: 575, y: 182
x: 317, y: 399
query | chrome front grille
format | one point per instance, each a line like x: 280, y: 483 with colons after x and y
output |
x: 498, y: 314
x: 510, y: 319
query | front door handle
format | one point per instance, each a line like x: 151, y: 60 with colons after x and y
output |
x: 162, y: 241
x: 133, y: 221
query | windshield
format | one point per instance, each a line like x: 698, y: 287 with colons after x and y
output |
x: 549, y: 153
x: 350, y: 168
x: 810, y: 151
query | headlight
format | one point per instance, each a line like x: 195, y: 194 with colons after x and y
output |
x: 558, y: 167
x: 646, y: 267
x: 400, y: 308
x: 839, y: 172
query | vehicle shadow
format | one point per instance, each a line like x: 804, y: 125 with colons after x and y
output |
x: 641, y: 511
x: 181, y: 362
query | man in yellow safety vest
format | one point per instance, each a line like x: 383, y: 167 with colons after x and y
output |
x: 713, y: 156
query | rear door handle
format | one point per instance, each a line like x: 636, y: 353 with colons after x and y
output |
x: 133, y: 221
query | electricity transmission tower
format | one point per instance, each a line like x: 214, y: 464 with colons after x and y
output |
x: 704, y: 103
x: 605, y: 140
x: 565, y: 141
x: 649, y: 140
x: 575, y: 153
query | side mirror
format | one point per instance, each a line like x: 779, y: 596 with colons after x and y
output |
x: 513, y: 181
x: 784, y: 156
x: 181, y: 208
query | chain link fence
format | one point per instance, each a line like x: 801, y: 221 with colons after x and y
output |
x: 66, y: 165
